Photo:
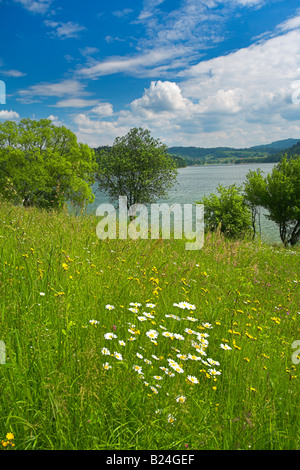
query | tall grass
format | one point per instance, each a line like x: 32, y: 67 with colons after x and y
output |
x: 59, y: 390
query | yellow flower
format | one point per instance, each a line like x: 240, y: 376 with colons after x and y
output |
x: 10, y: 436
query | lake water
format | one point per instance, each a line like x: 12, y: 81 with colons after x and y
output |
x: 194, y: 182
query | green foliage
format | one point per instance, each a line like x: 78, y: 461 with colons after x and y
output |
x: 43, y: 165
x: 279, y: 193
x: 227, y: 212
x: 137, y: 166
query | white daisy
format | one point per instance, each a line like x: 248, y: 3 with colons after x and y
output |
x: 193, y: 379
x: 153, y: 334
x: 180, y: 399
x: 225, y: 346
x: 109, y: 307
x: 118, y: 356
x: 105, y: 351
x: 110, y: 336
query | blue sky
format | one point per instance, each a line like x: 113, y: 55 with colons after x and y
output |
x: 201, y: 73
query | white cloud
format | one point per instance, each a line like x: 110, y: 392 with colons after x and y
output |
x: 98, y: 132
x: 55, y: 120
x: 235, y: 100
x: 12, y: 73
x: 11, y: 115
x: 64, y: 30
x: 141, y: 64
x: 58, y: 89
x: 103, y: 109
x: 162, y: 97
x: 122, y: 13
x: 75, y: 103
x: 36, y: 6
x: 291, y: 23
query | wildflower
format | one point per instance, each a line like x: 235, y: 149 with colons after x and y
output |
x: 171, y: 419
x: 157, y: 377
x: 192, y: 319
x: 178, y: 369
x: 178, y: 336
x: 121, y: 342
x: 94, y: 322
x: 183, y: 357
x: 153, y: 334
x: 141, y: 318
x: 138, y: 369
x: 225, y: 346
x: 193, y: 379
x: 9, y: 436
x: 158, y: 412
x: 151, y: 305
x: 180, y: 399
x: 167, y: 334
x: 147, y: 361
x: 148, y: 315
x: 193, y: 357
x: 109, y: 307
x: 106, y: 366
x: 110, y: 336
x: 175, y: 317
x: 189, y: 331
x: 207, y: 325
x: 212, y: 362
x: 105, y: 351
x: 133, y: 309
x: 214, y: 372
x: 42, y: 293
x: 118, y: 356
x: 139, y: 355
x: 154, y: 390
x: 185, y: 305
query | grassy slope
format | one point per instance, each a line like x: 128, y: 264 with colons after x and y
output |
x: 55, y: 393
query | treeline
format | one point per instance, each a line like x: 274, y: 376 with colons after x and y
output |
x: 271, y: 153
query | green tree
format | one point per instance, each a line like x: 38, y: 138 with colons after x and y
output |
x: 43, y: 165
x: 227, y: 211
x: 138, y: 167
x: 279, y: 194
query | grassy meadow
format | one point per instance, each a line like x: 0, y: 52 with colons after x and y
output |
x: 124, y: 344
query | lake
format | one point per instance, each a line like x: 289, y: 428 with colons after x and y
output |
x: 194, y: 182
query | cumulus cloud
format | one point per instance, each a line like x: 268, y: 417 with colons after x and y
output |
x: 162, y: 98
x: 10, y: 115
x: 103, y: 109
x: 98, y: 132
